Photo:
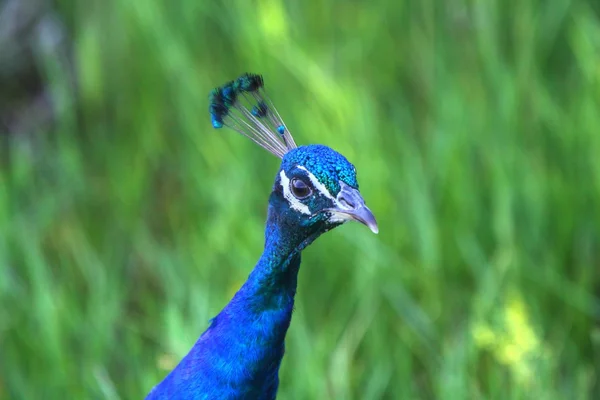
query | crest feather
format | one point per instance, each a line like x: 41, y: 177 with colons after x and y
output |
x: 243, y: 106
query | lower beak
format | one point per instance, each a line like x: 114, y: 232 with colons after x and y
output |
x: 362, y: 215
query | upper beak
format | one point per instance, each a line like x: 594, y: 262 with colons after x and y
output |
x: 351, y: 205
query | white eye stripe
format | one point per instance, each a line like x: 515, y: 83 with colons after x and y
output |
x: 321, y: 188
x: 293, y: 201
x: 316, y: 184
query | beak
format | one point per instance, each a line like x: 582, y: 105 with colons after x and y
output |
x: 351, y: 206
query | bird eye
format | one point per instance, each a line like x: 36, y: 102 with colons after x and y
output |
x: 300, y: 189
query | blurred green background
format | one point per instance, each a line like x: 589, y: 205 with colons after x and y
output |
x: 127, y: 222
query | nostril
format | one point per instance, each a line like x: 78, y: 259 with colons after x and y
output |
x: 346, y: 203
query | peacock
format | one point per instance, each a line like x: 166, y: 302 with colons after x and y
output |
x: 315, y: 190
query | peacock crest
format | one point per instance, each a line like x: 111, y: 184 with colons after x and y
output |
x: 244, y: 106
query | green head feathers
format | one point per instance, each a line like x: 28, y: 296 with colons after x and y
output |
x: 326, y: 164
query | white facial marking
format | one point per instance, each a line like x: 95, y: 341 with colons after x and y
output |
x: 338, y: 217
x: 323, y: 190
x: 317, y: 184
x: 294, y: 202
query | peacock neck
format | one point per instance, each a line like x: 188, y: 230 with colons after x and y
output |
x: 271, y: 286
x: 239, y: 355
x: 250, y: 331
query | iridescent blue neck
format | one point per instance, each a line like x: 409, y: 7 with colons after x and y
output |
x: 240, y: 353
x: 272, y: 283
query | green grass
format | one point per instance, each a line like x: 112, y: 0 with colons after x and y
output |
x: 475, y: 130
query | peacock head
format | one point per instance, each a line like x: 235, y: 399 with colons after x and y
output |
x: 316, y: 188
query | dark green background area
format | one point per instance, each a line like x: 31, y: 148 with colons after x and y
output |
x: 127, y: 222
